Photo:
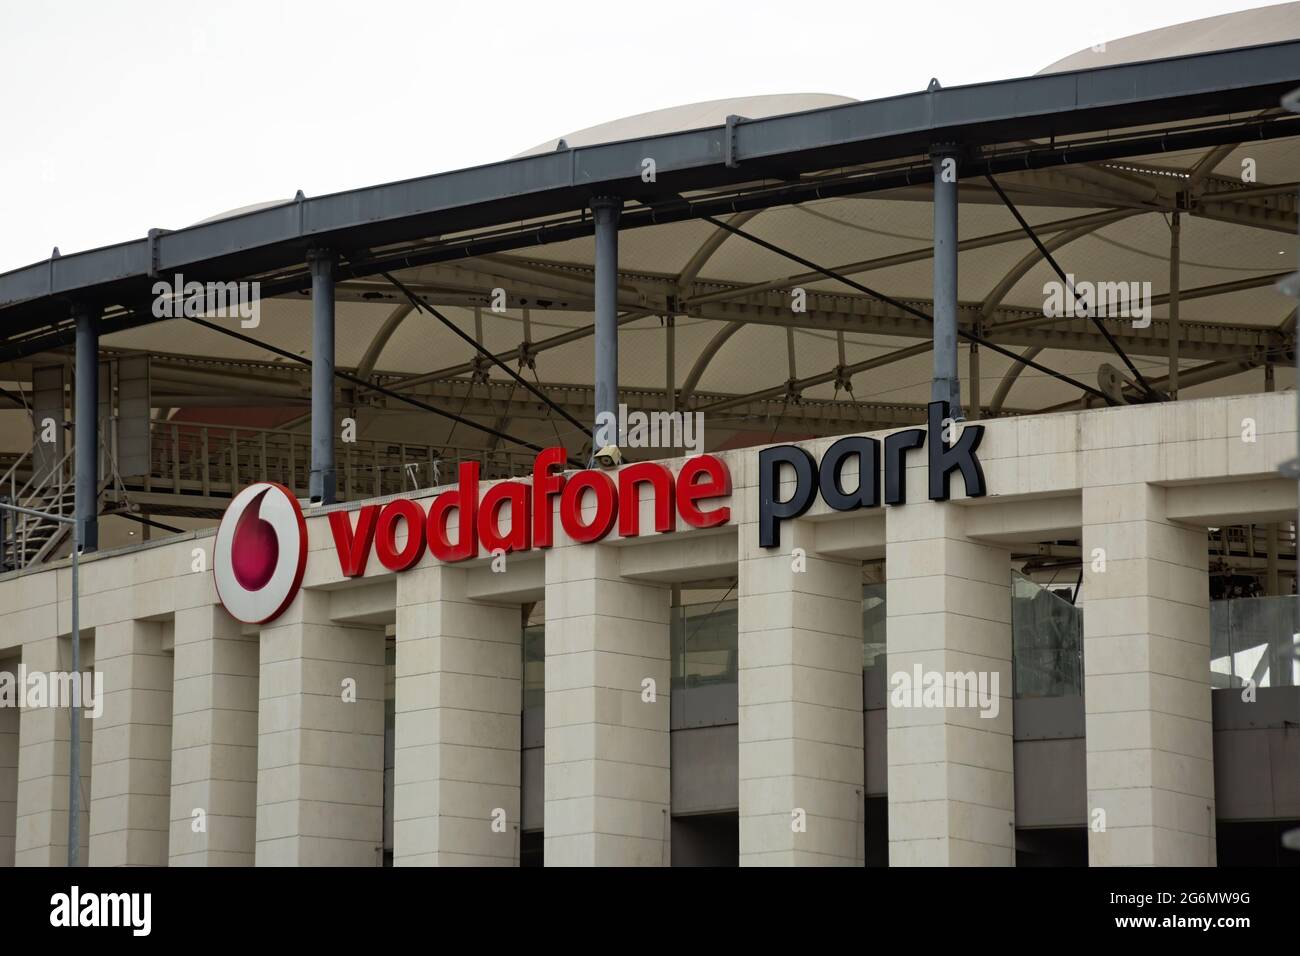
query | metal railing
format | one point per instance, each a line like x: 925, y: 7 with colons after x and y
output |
x: 31, y: 538
x: 1251, y: 540
x: 218, y: 460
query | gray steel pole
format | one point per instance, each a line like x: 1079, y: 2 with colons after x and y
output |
x: 86, y: 403
x: 322, y: 483
x: 946, y: 385
x: 85, y: 534
x: 74, y: 738
x: 605, y: 212
x: 670, y: 361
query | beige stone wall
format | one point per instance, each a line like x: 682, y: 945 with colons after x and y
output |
x: 801, y: 763
x: 213, y: 806
x: 130, y: 792
x: 8, y: 775
x: 951, y: 781
x: 254, y: 733
x: 320, y: 740
x: 456, y: 738
x: 607, y: 780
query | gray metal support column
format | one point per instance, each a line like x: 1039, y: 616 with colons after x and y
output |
x: 86, y: 405
x: 322, y: 483
x: 946, y: 385
x: 605, y: 212
x: 670, y: 361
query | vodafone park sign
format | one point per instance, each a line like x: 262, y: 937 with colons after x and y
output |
x: 261, y: 546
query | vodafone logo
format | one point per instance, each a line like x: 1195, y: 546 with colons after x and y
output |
x: 261, y: 547
x: 260, y: 553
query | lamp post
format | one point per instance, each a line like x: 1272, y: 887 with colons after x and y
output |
x: 74, y: 742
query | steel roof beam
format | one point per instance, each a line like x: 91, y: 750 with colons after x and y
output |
x: 1061, y: 104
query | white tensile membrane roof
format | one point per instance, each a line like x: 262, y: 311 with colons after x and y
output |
x: 1131, y: 247
x: 1279, y: 21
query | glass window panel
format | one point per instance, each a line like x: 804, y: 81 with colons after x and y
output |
x: 1047, y: 641
x: 704, y: 643
x: 873, y: 626
x: 1255, y: 639
x: 534, y: 665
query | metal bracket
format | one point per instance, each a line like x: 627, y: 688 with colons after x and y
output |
x: 413, y: 473
x: 154, y: 257
x: 729, y: 157
x: 527, y: 357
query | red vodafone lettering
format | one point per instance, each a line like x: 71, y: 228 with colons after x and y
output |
x: 571, y: 506
x: 386, y: 534
x: 545, y: 487
x: 660, y: 480
x: 353, y: 547
x: 489, y: 515
x: 608, y: 497
x: 464, y: 500
x: 716, y: 484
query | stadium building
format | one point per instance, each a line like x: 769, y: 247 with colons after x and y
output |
x: 965, y: 533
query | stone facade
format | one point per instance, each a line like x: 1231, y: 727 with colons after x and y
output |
x: 254, y: 726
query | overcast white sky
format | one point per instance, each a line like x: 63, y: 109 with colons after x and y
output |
x: 119, y: 116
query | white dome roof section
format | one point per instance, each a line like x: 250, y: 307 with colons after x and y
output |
x: 692, y: 116
x: 242, y: 210
x: 1228, y: 31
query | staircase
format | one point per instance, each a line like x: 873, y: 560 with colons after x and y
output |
x: 27, y: 539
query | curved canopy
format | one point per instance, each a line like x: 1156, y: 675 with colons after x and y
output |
x: 740, y: 352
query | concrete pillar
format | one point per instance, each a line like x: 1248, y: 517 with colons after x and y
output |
x: 800, y: 672
x: 214, y: 741
x: 948, y: 604
x: 1146, y: 653
x: 321, y: 483
x: 8, y: 775
x: 320, y: 740
x: 41, y: 837
x: 86, y: 405
x: 456, y: 740
x: 946, y: 385
x: 608, y: 793
x: 131, y: 782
